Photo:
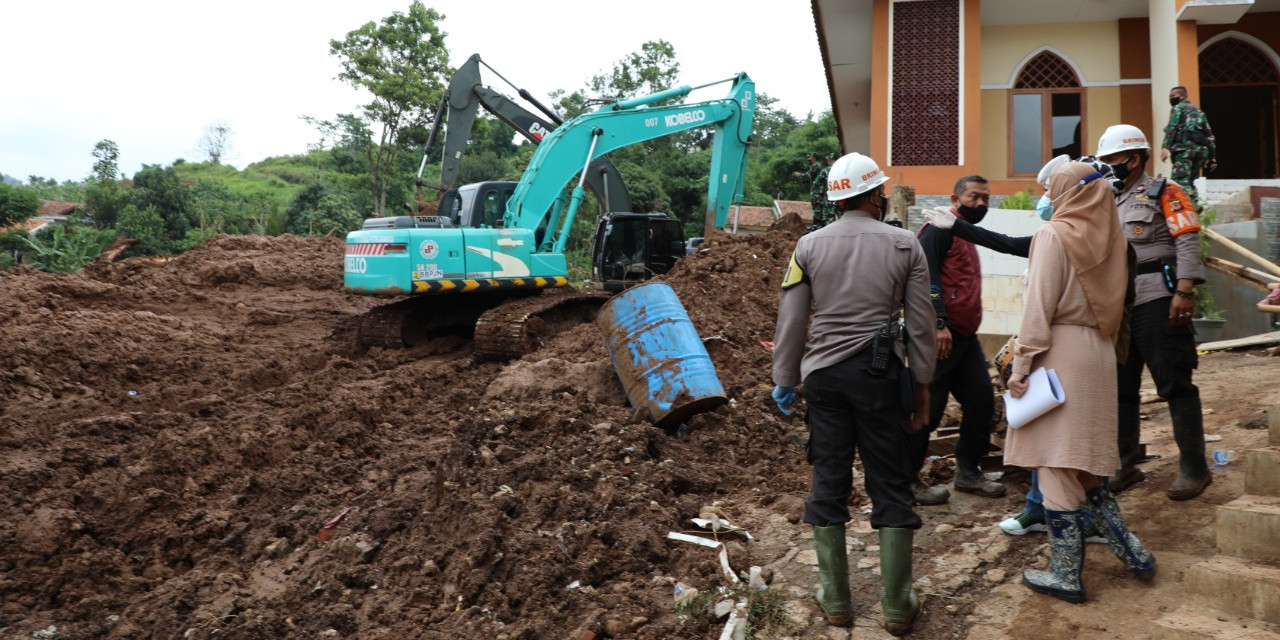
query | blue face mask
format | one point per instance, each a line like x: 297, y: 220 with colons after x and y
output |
x: 1045, y: 207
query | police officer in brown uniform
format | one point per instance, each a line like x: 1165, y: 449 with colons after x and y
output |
x: 1161, y: 225
x: 854, y: 275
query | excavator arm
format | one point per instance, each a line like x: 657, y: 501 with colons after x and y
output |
x: 573, y: 146
x: 459, y: 107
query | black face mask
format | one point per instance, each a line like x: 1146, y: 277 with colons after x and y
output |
x: 883, y: 206
x: 1121, y: 170
x: 1174, y: 100
x: 973, y: 214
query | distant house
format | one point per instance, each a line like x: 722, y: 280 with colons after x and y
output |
x: 50, y: 211
x: 752, y: 220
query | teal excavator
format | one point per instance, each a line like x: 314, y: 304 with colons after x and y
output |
x: 479, y: 267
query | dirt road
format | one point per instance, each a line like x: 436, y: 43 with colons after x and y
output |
x: 175, y: 434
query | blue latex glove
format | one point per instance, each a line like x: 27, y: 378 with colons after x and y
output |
x: 784, y: 396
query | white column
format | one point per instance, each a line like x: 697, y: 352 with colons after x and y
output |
x: 1162, y: 22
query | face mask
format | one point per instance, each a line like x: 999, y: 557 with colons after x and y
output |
x: 973, y: 214
x: 1121, y: 170
x: 1174, y: 100
x: 1044, y: 207
x: 883, y: 206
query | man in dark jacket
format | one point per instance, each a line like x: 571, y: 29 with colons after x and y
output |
x: 956, y: 290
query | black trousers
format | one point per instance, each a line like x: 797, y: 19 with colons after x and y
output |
x: 1169, y: 352
x: 852, y: 410
x: 964, y: 375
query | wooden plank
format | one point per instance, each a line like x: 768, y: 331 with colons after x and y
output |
x: 1260, y: 340
x: 1231, y: 244
x: 1252, y: 277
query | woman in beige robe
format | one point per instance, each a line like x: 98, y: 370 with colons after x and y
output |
x: 1076, y: 284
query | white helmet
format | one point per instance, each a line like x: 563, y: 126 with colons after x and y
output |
x: 1042, y: 178
x: 1121, y: 137
x: 851, y: 175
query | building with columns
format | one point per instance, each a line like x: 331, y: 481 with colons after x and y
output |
x: 937, y: 89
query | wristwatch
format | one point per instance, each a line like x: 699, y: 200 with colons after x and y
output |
x: 942, y: 323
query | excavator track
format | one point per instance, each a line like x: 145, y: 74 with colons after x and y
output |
x: 420, y: 318
x: 522, y: 326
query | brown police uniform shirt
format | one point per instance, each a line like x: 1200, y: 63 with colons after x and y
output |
x: 1150, y: 229
x: 852, y: 274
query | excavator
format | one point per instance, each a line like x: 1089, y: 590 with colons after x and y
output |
x: 458, y: 270
x: 459, y: 106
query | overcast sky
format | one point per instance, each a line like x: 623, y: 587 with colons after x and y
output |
x: 152, y: 75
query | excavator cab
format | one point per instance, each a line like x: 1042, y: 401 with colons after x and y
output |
x: 478, y: 205
x: 630, y: 248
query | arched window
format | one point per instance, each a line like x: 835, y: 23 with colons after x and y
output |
x: 1046, y: 114
x: 1232, y: 62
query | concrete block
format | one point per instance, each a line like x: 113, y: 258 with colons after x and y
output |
x: 1233, y: 212
x: 1235, y: 587
x: 1190, y: 623
x: 1249, y: 528
x: 1262, y: 471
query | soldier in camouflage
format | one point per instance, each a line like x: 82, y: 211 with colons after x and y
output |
x: 1189, y: 139
x: 824, y: 212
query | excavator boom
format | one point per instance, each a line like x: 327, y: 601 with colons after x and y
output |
x: 459, y: 107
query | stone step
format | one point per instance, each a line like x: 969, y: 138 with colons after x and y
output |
x: 1249, y: 528
x: 1262, y: 472
x: 1235, y: 587
x: 1190, y: 623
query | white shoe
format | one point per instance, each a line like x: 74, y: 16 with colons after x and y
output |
x: 1023, y: 523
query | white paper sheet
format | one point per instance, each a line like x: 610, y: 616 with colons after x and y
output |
x: 1044, y: 393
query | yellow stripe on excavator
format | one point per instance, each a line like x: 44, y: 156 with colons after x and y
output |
x: 449, y: 286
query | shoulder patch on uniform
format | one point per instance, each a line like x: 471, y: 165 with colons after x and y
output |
x: 903, y: 243
x: 795, y: 274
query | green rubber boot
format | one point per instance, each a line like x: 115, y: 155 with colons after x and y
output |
x: 896, y: 593
x: 833, y: 574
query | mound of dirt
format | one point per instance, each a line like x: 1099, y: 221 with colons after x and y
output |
x: 176, y: 434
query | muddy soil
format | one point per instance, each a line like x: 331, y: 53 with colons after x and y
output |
x: 199, y: 448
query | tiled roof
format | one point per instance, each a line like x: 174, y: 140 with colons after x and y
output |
x: 58, y: 208
x: 751, y: 216
x: 28, y: 225
x: 802, y: 209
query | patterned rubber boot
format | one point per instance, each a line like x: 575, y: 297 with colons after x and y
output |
x: 897, y: 596
x: 833, y: 575
x: 1106, y: 516
x: 1066, y: 546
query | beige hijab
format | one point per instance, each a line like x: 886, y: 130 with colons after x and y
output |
x: 1084, y: 217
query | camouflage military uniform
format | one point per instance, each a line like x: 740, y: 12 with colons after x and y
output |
x: 1189, y: 139
x: 824, y: 212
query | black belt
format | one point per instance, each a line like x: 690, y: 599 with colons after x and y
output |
x: 1154, y: 266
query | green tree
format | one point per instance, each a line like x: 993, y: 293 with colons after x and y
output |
x: 147, y: 226
x: 402, y: 63
x: 160, y: 188
x: 13, y: 245
x: 651, y: 69
x: 17, y: 204
x: 103, y: 196
x: 322, y: 209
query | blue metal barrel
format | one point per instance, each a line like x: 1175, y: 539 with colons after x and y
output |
x: 658, y: 355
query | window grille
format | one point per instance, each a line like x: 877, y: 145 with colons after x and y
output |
x: 926, y: 83
x: 1234, y: 62
x: 1047, y: 71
